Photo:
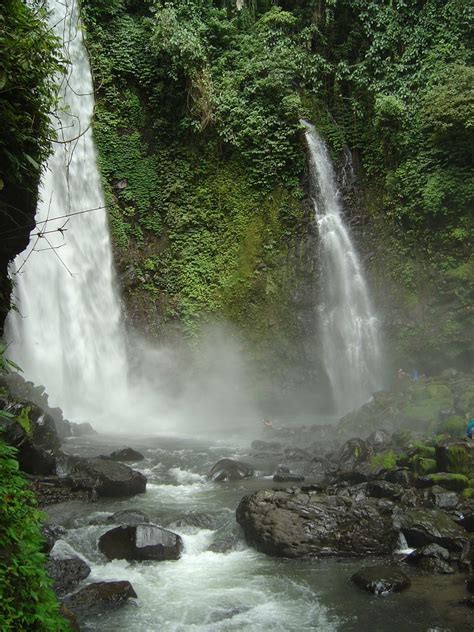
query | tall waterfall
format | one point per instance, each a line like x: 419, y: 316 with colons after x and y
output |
x: 66, y: 332
x: 348, y: 326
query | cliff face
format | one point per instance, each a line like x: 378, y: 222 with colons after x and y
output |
x: 204, y: 167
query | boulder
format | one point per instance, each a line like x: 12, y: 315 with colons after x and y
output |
x: 105, y: 477
x: 427, y: 526
x: 100, y: 596
x: 466, y: 517
x: 51, y: 534
x: 431, y: 558
x: 33, y: 458
x: 443, y: 498
x: 83, y: 429
x: 230, y: 470
x: 400, y: 476
x: 453, y: 482
x: 283, y: 475
x: 456, y: 458
x: 384, y: 489
x: 378, y: 440
x: 126, y: 454
x: 128, y: 517
x: 352, y: 453
x: 141, y: 542
x: 65, y: 568
x: 306, y: 523
x: 70, y: 618
x: 381, y: 580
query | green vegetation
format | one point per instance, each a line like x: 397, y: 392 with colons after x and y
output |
x: 27, y: 601
x: 386, y: 460
x: 29, y: 60
x: 202, y: 155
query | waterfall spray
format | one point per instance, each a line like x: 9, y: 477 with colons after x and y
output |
x: 348, y: 326
x: 67, y: 332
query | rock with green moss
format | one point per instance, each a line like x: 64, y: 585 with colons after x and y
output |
x: 422, y: 466
x: 453, y: 482
x: 427, y: 526
x: 457, y: 458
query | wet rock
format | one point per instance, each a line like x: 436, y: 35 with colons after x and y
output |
x: 230, y: 470
x: 453, y: 482
x: 65, y: 568
x: 400, y: 476
x: 51, y: 534
x: 427, y: 526
x: 105, y: 477
x: 296, y: 454
x: 82, y: 430
x: 141, y: 542
x: 283, y: 475
x: 70, y: 618
x: 378, y: 440
x: 431, y: 558
x: 381, y: 580
x: 299, y: 523
x: 384, y: 489
x: 126, y: 454
x: 352, y: 453
x: 197, y: 519
x: 443, y: 498
x: 100, y: 596
x: 128, y: 517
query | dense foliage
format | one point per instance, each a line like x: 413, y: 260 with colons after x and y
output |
x: 202, y: 152
x: 27, y: 91
x: 27, y: 601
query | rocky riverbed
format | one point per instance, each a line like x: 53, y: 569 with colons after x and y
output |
x: 300, y: 528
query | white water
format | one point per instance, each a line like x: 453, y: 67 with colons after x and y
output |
x: 349, y: 328
x: 67, y: 333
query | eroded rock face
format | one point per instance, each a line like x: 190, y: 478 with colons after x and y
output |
x: 299, y: 524
x: 230, y: 470
x: 381, y: 580
x: 100, y: 596
x: 105, y: 477
x: 141, y: 542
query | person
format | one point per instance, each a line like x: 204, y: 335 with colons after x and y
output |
x: 470, y: 429
x: 267, y: 424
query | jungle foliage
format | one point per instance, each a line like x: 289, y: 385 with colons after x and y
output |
x: 200, y: 143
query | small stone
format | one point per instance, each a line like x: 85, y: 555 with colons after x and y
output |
x: 381, y: 580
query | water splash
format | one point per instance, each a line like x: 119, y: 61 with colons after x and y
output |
x: 349, y: 328
x: 67, y: 332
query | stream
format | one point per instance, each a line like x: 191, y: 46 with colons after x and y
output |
x: 219, y: 583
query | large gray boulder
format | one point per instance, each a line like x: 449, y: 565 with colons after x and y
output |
x: 141, y: 542
x: 298, y: 524
x: 103, y: 476
x: 230, y: 470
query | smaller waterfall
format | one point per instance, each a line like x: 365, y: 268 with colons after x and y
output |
x: 348, y: 326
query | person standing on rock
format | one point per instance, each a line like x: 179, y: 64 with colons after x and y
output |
x: 470, y: 429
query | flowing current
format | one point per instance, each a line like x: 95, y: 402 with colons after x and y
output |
x: 66, y: 332
x: 349, y: 328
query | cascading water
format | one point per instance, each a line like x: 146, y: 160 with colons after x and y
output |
x: 349, y: 328
x: 67, y: 331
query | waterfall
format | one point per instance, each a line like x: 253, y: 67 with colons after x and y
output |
x: 348, y: 326
x: 66, y: 332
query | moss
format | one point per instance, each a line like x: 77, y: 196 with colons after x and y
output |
x: 456, y: 458
x: 455, y: 426
x: 25, y: 421
x: 386, y: 460
x: 454, y: 482
x: 467, y: 493
x: 422, y: 466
